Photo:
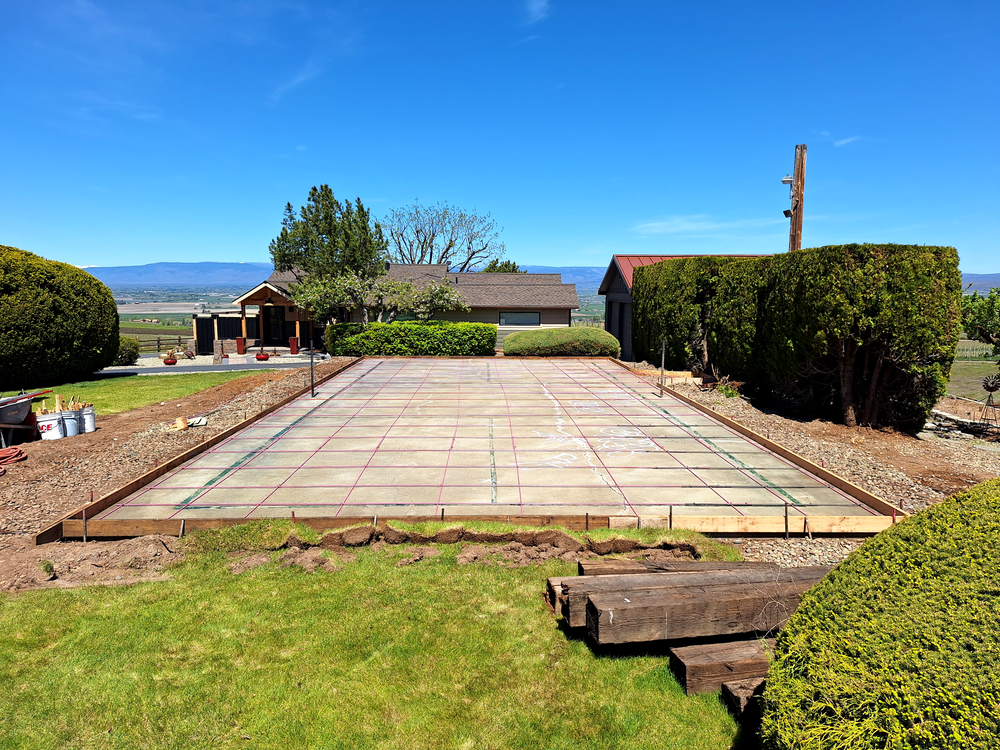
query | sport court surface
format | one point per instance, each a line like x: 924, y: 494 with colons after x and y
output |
x: 505, y: 437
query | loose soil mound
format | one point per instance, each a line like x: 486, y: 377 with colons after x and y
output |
x: 70, y: 564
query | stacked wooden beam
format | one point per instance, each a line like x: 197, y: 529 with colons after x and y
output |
x: 715, y: 618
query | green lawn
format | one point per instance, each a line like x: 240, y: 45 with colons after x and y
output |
x: 967, y: 378
x: 111, y: 395
x: 134, y: 329
x: 432, y: 655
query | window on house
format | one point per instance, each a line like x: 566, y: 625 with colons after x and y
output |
x: 520, y: 318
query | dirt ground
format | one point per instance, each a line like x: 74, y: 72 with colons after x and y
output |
x: 59, y: 476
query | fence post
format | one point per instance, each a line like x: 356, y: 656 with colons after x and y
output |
x: 157, y: 344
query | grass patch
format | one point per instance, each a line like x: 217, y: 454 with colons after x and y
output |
x: 967, y: 378
x: 431, y: 655
x: 113, y: 395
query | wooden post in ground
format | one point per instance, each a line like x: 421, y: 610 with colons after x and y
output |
x: 797, y: 196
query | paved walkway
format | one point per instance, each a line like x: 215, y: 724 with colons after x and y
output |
x: 398, y: 437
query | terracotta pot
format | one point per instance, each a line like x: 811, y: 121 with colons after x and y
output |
x: 170, y: 361
x: 263, y: 357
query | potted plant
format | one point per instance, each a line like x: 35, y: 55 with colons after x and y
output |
x: 171, y: 358
x: 262, y: 356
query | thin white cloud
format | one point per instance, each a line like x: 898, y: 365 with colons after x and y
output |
x: 526, y: 40
x: 537, y: 10
x: 308, y: 72
x: 845, y: 141
x: 700, y: 224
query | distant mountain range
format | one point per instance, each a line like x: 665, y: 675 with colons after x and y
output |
x: 183, y: 274
x: 250, y: 274
x: 981, y: 282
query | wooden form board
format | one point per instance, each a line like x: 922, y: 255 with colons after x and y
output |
x: 751, y: 525
x: 55, y: 532
x: 73, y: 528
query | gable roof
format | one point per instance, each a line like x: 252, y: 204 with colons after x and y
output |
x: 626, y: 264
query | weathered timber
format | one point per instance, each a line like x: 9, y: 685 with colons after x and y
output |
x: 691, y: 612
x: 622, y: 567
x: 705, y: 667
x: 742, y: 697
x: 553, y: 592
x: 576, y: 591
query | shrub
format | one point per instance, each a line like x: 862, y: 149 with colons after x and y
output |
x: 562, y: 342
x: 128, y: 351
x: 431, y: 338
x: 335, y: 335
x: 57, y: 322
x: 866, y: 333
x: 899, y: 646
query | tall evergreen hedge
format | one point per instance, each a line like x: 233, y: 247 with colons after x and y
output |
x: 57, y: 322
x: 866, y: 333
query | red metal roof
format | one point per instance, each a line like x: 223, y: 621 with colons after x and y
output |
x: 628, y: 263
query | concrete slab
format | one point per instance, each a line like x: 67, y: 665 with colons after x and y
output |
x: 398, y: 437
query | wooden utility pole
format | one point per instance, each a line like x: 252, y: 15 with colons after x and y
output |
x: 797, y: 195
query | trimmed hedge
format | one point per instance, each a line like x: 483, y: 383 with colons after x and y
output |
x: 57, y: 322
x: 863, y: 333
x: 335, y: 335
x: 430, y: 338
x: 128, y: 351
x: 899, y: 646
x: 562, y: 342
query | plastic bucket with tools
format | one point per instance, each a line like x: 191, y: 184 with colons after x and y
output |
x: 51, y: 426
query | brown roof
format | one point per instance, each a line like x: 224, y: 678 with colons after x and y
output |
x: 535, y: 290
x: 281, y: 279
x: 511, y: 290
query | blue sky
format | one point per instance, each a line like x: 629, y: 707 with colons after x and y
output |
x: 177, y: 130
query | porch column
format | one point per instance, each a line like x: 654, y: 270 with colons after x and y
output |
x: 243, y: 319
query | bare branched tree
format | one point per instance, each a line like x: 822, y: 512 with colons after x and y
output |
x: 443, y: 234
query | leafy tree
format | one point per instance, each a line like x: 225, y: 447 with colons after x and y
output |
x: 441, y: 296
x: 327, y: 238
x: 443, y: 234
x: 981, y: 318
x: 502, y: 266
x: 376, y: 298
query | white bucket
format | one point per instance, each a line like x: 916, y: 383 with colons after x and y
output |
x: 51, y: 426
x: 89, y: 419
x: 71, y: 421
